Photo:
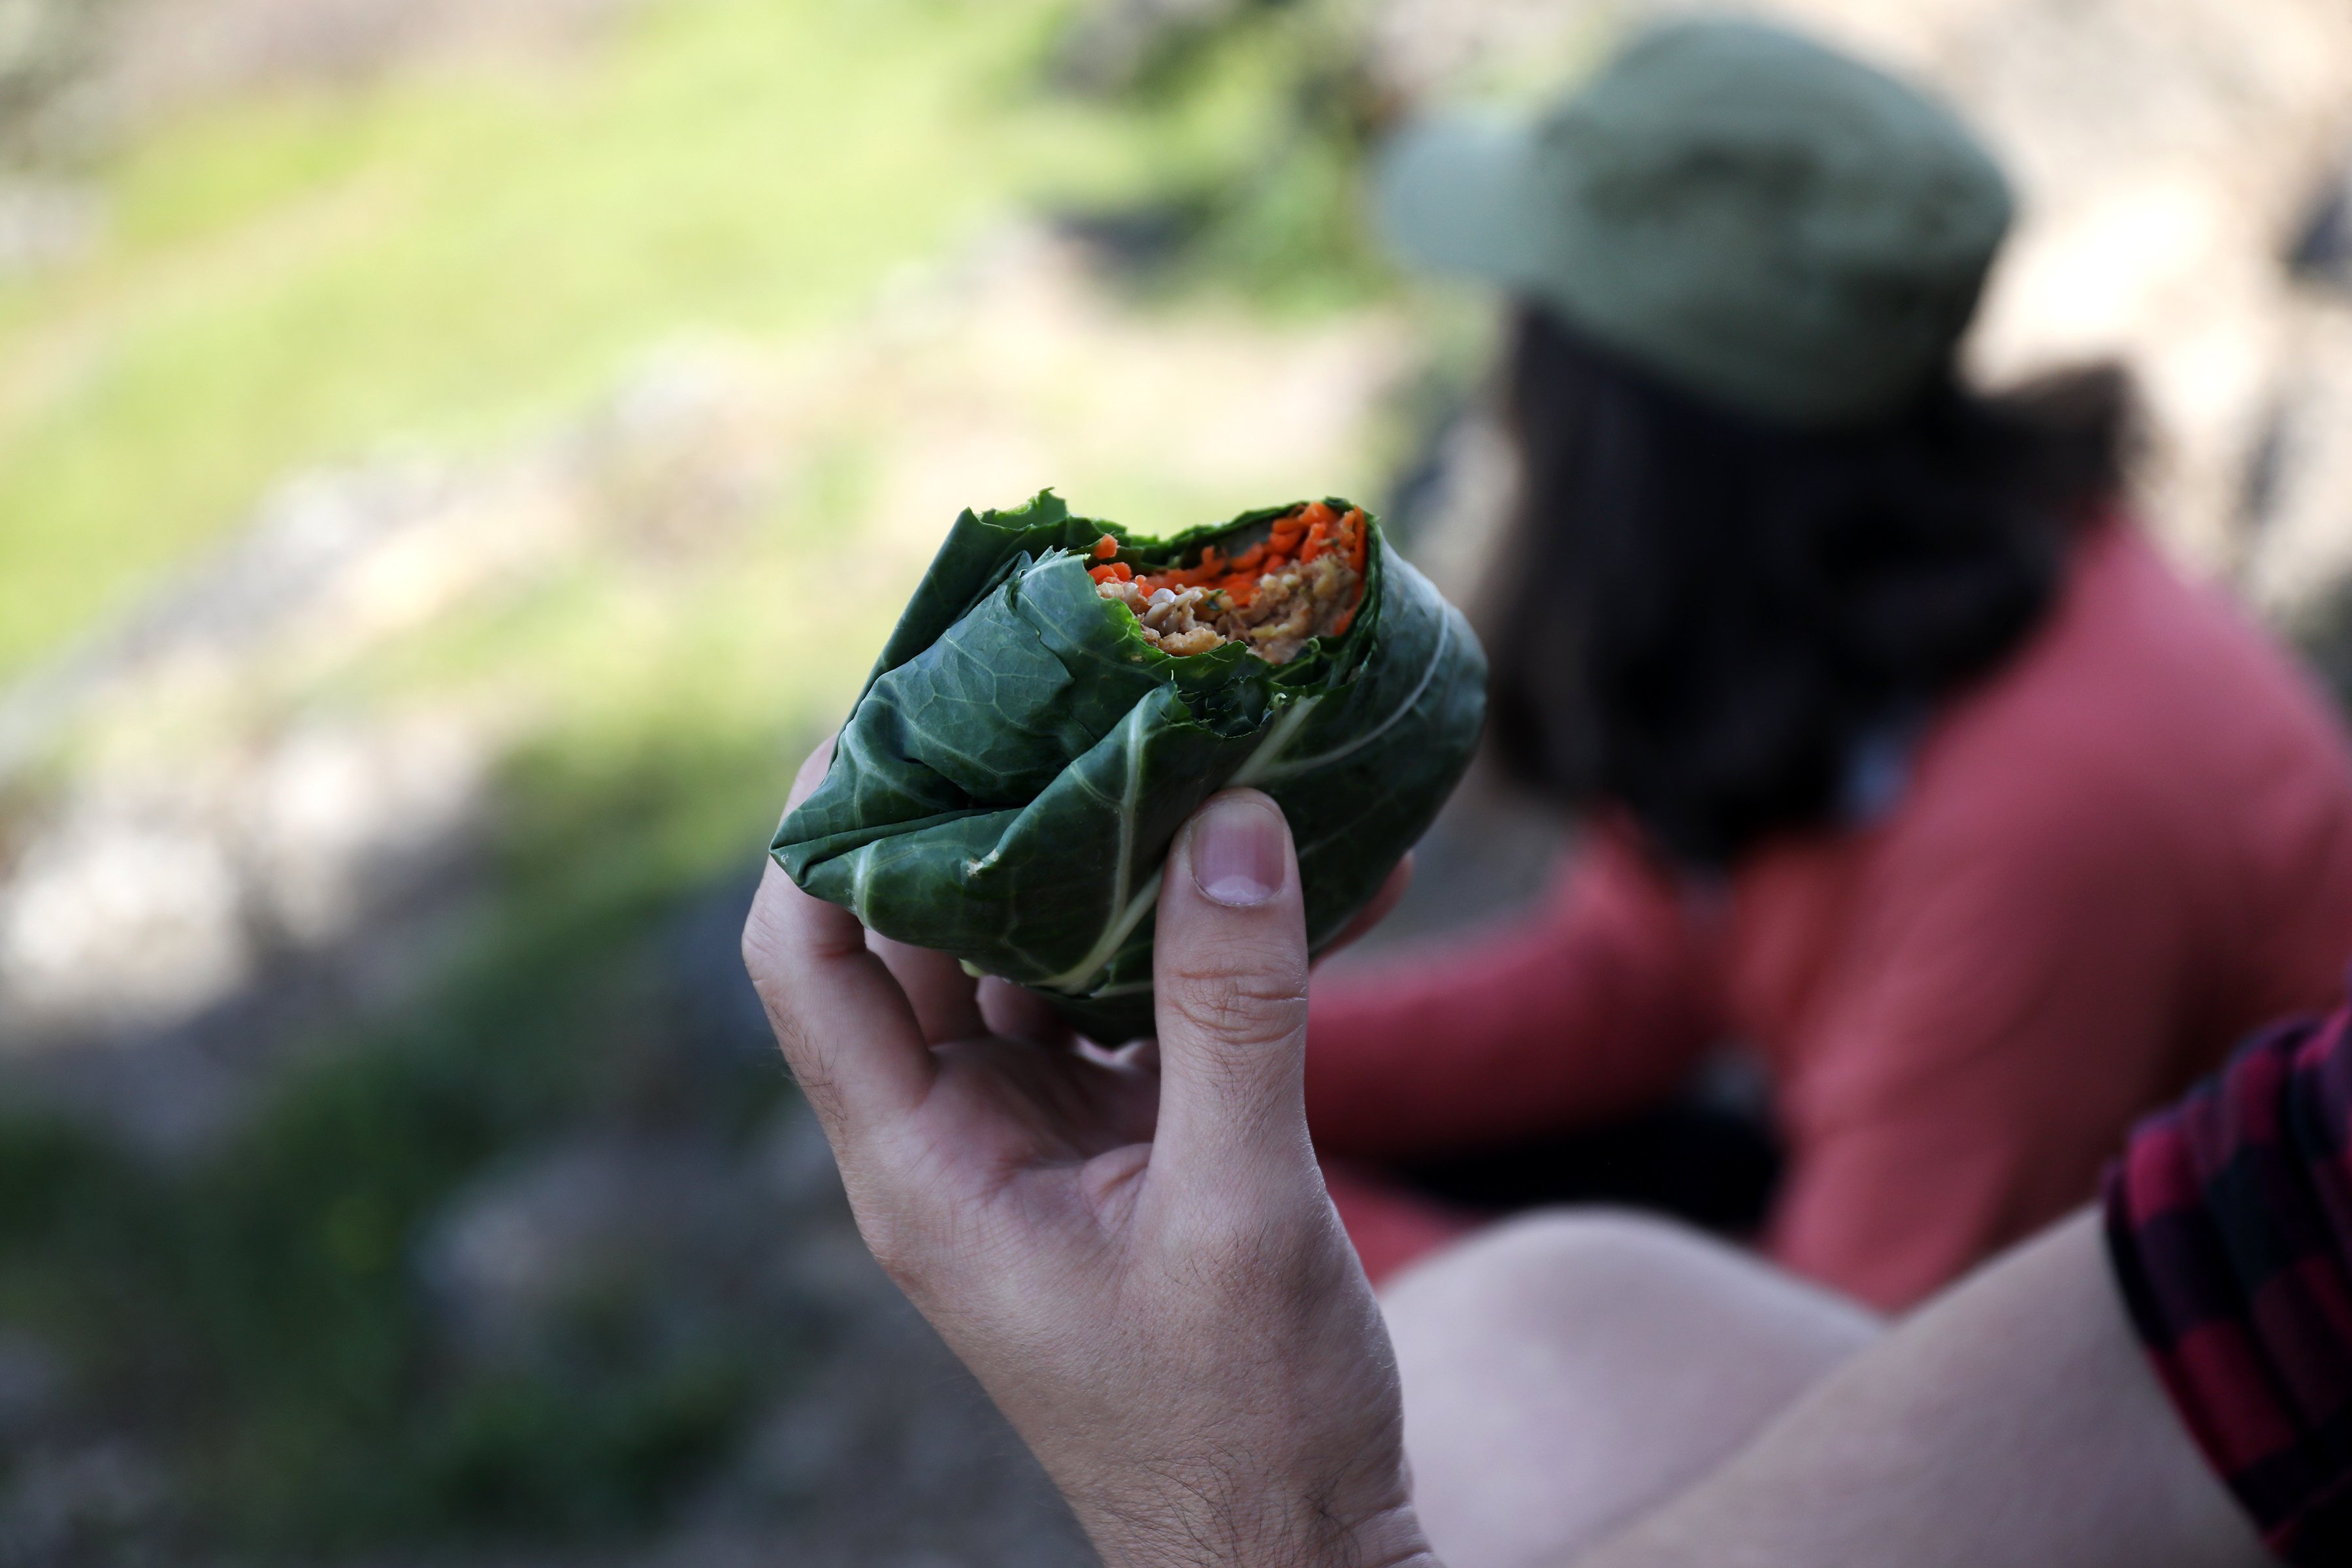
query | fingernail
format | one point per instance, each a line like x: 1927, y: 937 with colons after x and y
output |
x: 1237, y: 857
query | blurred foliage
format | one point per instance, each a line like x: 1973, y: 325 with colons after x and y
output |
x: 47, y: 49
x: 450, y: 256
x: 1280, y: 221
x: 259, y: 1321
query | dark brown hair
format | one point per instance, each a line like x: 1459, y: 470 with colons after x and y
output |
x: 1707, y: 620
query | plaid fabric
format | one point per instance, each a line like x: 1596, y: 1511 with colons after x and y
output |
x: 2230, y: 1226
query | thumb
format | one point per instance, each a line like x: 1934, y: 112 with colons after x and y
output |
x: 1230, y: 974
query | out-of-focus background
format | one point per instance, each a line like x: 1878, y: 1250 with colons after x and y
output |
x: 456, y: 455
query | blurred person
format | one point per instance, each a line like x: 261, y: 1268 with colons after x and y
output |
x: 1903, y: 759
x: 1137, y: 1260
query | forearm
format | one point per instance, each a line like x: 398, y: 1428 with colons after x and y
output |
x: 2015, y: 1421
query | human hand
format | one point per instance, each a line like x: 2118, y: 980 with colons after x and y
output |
x: 1136, y: 1256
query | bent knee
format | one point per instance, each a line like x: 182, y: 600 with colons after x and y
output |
x: 1574, y: 1265
x: 1554, y: 1251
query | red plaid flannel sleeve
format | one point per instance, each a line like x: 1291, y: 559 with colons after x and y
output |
x: 2230, y: 1226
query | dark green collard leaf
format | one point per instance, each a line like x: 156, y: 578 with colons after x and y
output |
x: 1009, y: 782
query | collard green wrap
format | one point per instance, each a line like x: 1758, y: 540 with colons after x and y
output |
x: 1008, y: 784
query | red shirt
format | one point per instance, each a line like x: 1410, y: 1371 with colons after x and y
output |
x: 2126, y: 848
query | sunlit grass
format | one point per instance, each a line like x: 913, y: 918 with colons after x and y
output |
x: 446, y: 258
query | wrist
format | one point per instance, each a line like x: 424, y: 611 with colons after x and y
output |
x: 1188, y: 1528
x: 1391, y: 1539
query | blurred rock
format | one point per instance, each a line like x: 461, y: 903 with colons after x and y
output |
x: 92, y: 1503
x: 163, y: 55
x: 337, y: 815
x: 1112, y: 44
x: 595, y: 1220
x: 2299, y: 557
x: 682, y: 452
x: 45, y: 225
x: 48, y: 49
x: 2321, y: 254
x: 158, y: 892
x: 120, y: 922
x: 1424, y: 49
x: 334, y: 564
x: 204, y: 834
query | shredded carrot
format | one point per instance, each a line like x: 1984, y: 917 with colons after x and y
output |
x: 1293, y: 539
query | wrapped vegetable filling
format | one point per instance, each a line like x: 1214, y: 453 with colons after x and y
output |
x: 1059, y: 696
x: 1302, y: 581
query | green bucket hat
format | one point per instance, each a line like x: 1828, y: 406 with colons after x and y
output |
x: 1747, y: 213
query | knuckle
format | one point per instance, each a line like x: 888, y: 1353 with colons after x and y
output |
x: 1244, y: 1007
x: 896, y: 1235
x: 762, y: 938
x: 754, y: 944
x: 913, y: 1217
x: 901, y: 1256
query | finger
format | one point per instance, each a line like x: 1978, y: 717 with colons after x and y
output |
x: 853, y: 1041
x: 1392, y: 890
x: 1020, y: 1014
x: 935, y: 986
x: 811, y: 775
x: 1230, y: 975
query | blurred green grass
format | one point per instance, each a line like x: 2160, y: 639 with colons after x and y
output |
x: 446, y: 257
